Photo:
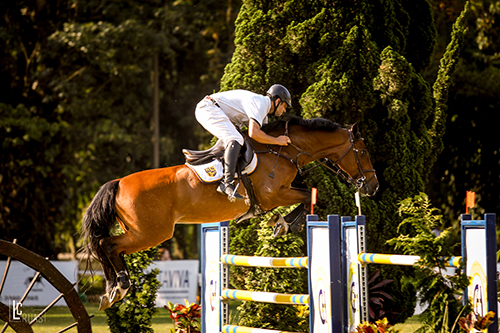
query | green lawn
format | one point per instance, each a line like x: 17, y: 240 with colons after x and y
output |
x: 410, y: 326
x: 59, y: 317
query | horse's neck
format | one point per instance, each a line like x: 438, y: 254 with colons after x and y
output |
x: 319, y: 144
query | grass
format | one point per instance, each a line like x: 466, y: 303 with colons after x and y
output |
x: 410, y: 325
x: 60, y: 317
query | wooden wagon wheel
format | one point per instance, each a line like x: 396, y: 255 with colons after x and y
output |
x: 44, y: 268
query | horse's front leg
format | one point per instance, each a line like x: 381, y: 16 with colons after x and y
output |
x: 295, y: 220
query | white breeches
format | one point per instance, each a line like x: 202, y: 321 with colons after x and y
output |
x: 214, y: 120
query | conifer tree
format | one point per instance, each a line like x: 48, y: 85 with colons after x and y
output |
x: 355, y: 62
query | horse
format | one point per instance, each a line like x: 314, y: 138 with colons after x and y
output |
x: 148, y: 204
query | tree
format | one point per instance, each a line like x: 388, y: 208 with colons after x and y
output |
x: 76, y: 107
x: 135, y: 312
x: 358, y: 62
x: 470, y: 158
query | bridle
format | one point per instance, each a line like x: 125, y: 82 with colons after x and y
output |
x: 358, y: 180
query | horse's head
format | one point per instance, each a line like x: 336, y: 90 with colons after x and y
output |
x: 313, y: 140
x: 355, y: 162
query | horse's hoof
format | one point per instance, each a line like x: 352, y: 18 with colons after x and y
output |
x: 280, y: 229
x: 275, y: 219
x: 117, y: 294
x: 122, y: 292
x: 105, y: 303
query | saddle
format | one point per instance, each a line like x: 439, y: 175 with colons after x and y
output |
x: 247, y: 157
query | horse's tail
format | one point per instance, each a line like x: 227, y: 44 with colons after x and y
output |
x: 97, y: 221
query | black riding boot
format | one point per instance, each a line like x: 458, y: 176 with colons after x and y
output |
x: 230, y: 159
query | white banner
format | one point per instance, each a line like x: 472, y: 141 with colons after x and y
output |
x: 179, y: 281
x: 178, y: 278
x: 43, y: 293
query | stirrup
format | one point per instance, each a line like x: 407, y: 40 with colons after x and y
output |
x: 227, y: 189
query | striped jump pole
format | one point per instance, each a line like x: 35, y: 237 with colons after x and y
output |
x: 399, y: 259
x: 244, y: 329
x: 299, y: 262
x: 266, y: 297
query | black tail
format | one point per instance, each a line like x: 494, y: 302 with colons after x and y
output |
x: 97, y: 221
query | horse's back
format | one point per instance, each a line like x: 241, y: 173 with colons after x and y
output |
x: 149, y: 194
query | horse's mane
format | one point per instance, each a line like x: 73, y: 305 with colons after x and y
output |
x: 312, y: 124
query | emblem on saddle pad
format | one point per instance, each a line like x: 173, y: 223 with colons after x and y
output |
x: 214, y: 170
x: 211, y: 172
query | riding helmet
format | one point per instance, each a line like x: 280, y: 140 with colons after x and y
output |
x: 277, y: 90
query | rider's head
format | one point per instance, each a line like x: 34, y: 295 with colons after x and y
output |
x: 278, y: 91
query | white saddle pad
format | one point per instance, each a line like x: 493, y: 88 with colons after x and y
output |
x: 213, y: 171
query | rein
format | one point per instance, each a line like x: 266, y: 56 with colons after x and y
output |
x: 357, y: 182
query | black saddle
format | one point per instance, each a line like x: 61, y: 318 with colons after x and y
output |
x: 196, y: 157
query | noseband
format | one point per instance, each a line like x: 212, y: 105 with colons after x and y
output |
x: 359, y: 180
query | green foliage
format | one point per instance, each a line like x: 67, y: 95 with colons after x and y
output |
x: 444, y: 77
x: 186, y: 317
x: 471, y: 156
x: 135, y: 311
x: 255, y: 238
x: 377, y: 297
x: 437, y: 290
x: 28, y: 164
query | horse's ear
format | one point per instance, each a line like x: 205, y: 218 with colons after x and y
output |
x: 355, y: 131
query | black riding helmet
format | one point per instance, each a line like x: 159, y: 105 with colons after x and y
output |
x: 279, y: 91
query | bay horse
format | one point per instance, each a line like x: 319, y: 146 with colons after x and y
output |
x: 148, y: 204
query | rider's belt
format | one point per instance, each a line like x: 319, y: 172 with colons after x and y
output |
x: 213, y: 101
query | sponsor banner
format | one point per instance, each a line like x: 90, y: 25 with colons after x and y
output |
x: 179, y: 281
x: 42, y: 293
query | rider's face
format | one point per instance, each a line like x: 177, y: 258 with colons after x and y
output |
x: 281, y: 109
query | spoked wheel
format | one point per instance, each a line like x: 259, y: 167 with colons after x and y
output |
x: 44, y: 268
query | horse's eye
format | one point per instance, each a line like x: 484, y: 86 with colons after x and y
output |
x: 363, y: 152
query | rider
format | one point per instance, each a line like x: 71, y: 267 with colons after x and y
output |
x: 219, y: 113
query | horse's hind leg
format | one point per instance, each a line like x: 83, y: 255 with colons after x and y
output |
x: 116, y: 290
x: 109, y: 273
